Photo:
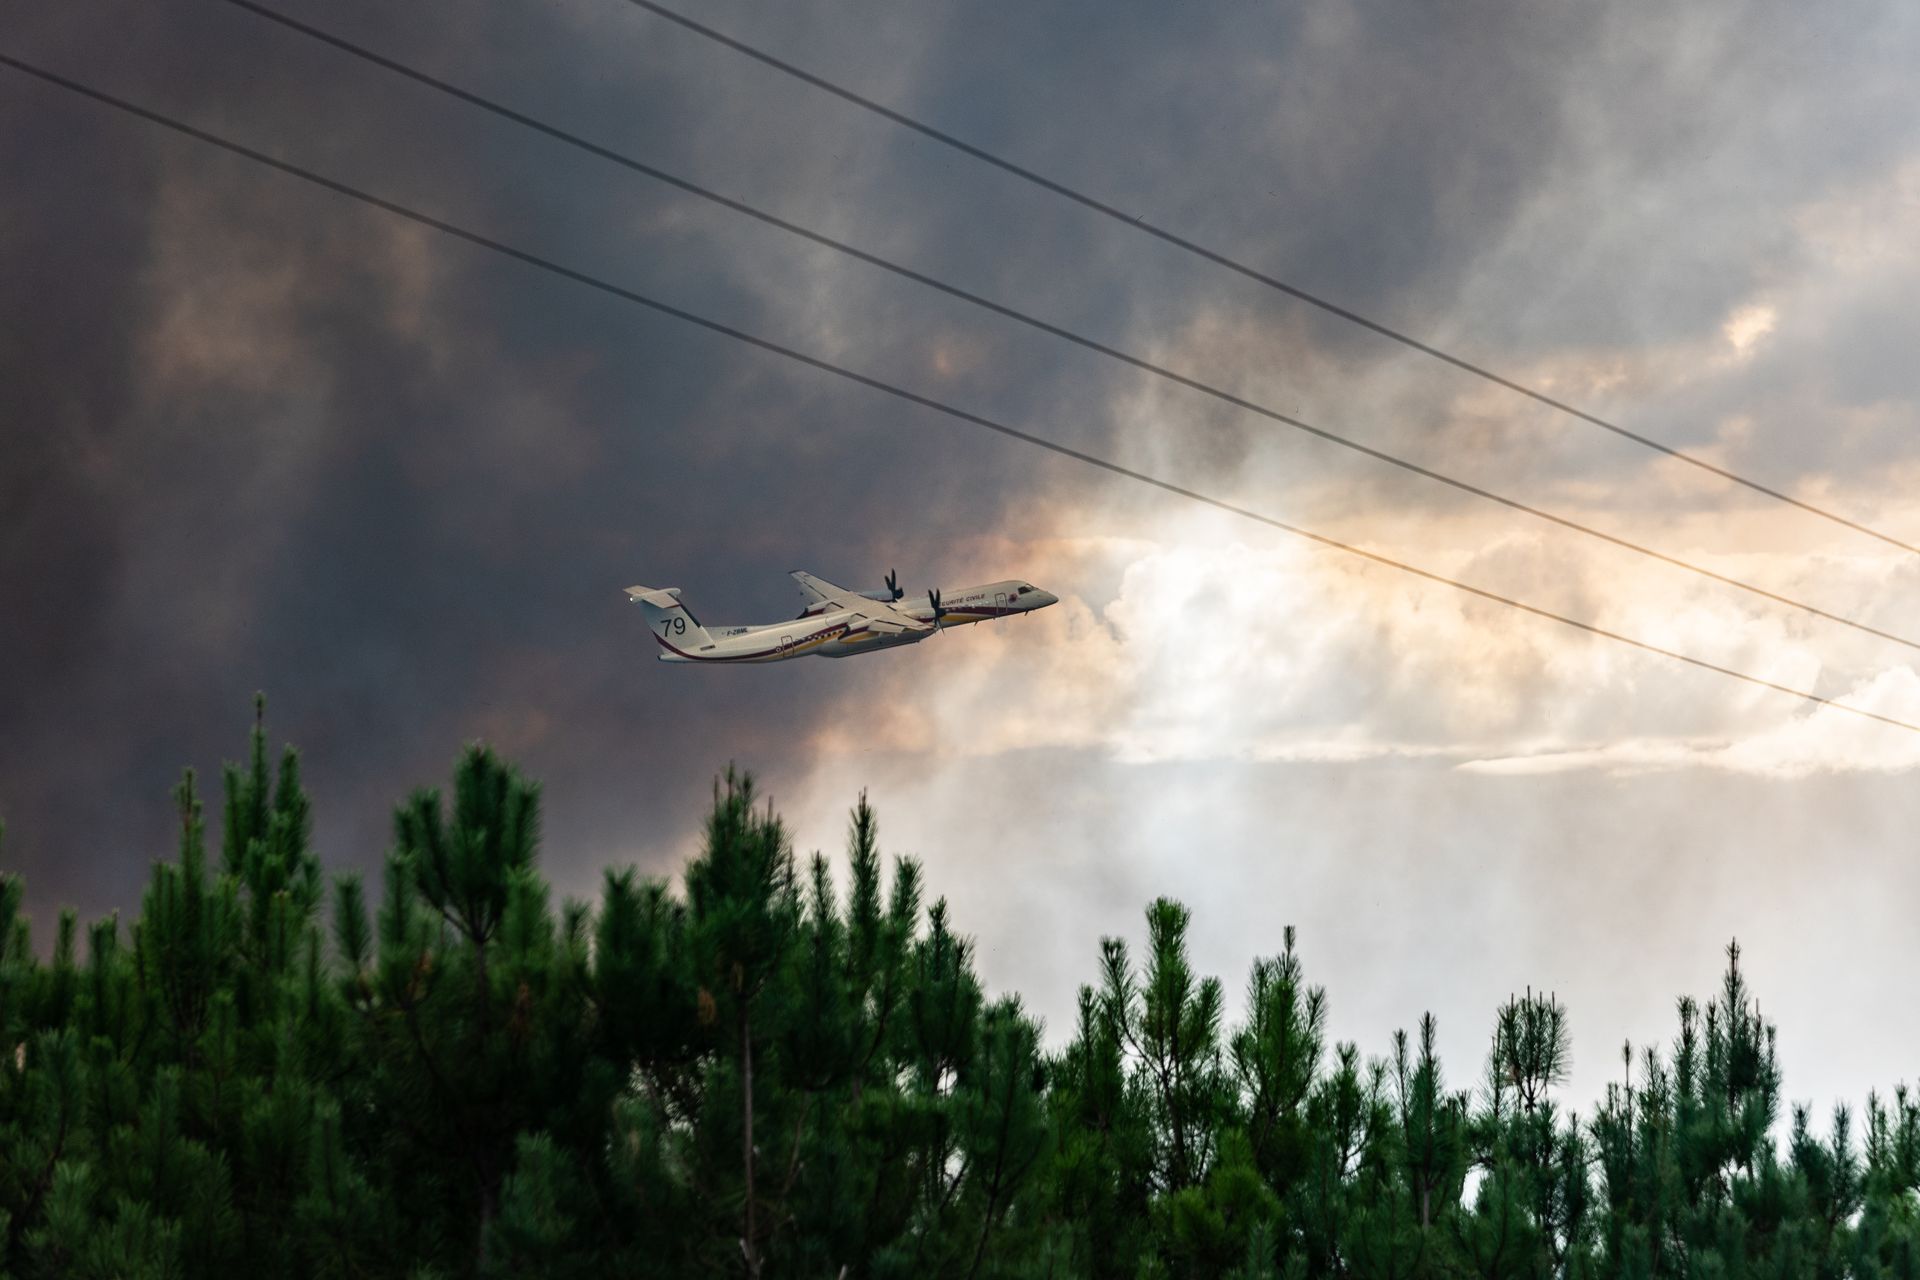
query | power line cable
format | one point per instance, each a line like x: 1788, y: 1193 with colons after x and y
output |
x: 1139, y: 223
x: 901, y: 393
x: 814, y: 237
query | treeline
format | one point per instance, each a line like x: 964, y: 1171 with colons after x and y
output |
x: 268, y: 1074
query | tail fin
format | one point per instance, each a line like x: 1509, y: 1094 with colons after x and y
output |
x: 677, y: 630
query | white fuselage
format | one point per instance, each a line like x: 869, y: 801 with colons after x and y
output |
x: 830, y: 631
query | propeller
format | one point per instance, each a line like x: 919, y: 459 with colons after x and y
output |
x: 893, y: 584
x: 933, y: 598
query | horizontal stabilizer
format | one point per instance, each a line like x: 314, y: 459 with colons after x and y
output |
x: 658, y: 597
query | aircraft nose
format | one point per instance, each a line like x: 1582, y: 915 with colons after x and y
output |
x: 1041, y: 599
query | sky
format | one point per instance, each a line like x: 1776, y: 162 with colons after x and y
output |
x: 257, y: 436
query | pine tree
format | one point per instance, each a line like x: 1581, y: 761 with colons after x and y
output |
x: 1103, y: 1146
x: 744, y: 906
x: 783, y: 1072
x: 1276, y: 1058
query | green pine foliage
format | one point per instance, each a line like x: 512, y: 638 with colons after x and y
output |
x: 790, y: 1067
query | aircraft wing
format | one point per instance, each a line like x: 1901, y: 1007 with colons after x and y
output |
x: 816, y: 590
x: 875, y: 615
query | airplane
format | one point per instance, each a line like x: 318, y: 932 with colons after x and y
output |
x: 836, y: 623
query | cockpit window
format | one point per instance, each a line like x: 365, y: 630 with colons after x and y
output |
x: 1022, y: 591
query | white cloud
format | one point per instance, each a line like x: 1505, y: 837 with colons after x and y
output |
x: 1211, y: 648
x: 1747, y: 326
